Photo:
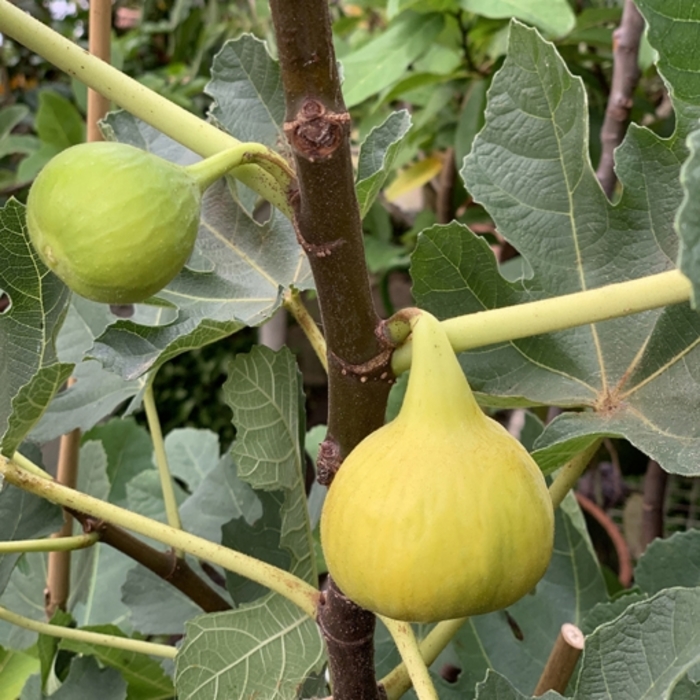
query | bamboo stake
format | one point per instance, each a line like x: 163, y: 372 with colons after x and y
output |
x: 58, y: 576
x: 100, y: 27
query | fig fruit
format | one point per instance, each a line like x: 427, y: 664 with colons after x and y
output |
x: 114, y: 222
x: 440, y: 513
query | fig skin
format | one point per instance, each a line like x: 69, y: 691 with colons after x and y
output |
x: 441, y: 513
x: 115, y: 223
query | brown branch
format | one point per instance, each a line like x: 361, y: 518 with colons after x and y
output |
x: 170, y: 568
x: 655, y: 482
x: 624, y: 572
x: 349, y: 635
x: 626, y: 40
x: 328, y: 218
x: 446, y: 186
x: 562, y: 660
x: 328, y: 226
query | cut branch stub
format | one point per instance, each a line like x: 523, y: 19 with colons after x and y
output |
x: 316, y: 133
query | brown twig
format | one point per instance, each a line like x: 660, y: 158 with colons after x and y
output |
x: 562, y: 660
x: 626, y: 74
x: 170, y: 568
x: 622, y: 550
x: 655, y: 482
x: 328, y: 226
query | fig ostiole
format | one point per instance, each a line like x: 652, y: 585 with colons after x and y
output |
x: 441, y: 513
x: 117, y: 223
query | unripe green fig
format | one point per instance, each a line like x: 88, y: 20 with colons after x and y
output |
x: 441, y: 513
x: 114, y: 222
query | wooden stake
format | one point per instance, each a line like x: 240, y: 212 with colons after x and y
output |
x: 100, y: 28
x: 562, y: 660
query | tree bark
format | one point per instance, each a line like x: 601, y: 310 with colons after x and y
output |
x: 626, y: 40
x: 329, y: 228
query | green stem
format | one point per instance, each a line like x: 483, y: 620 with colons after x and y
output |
x: 291, y: 587
x: 558, y: 313
x: 569, y: 474
x: 209, y: 170
x: 178, y: 123
x: 172, y: 512
x: 295, y: 306
x: 50, y: 544
x: 108, y: 640
x: 413, y: 662
x: 398, y: 681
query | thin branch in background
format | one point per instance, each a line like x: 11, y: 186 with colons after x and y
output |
x: 655, y: 483
x: 625, y: 77
x: 446, y: 185
x: 464, y: 27
x: 273, y: 333
x: 175, y: 570
x: 622, y: 551
x: 58, y: 576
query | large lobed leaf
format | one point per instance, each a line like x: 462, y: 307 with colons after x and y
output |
x: 529, y: 167
x: 269, y: 649
x: 272, y: 645
x: 30, y: 371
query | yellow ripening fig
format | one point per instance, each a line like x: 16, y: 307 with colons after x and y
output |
x: 441, y: 513
x: 117, y: 223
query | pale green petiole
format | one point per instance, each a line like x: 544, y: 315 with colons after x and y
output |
x: 413, y: 662
x: 109, y: 640
x: 209, y: 170
x: 172, y: 512
x: 49, y: 544
x: 554, y: 314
